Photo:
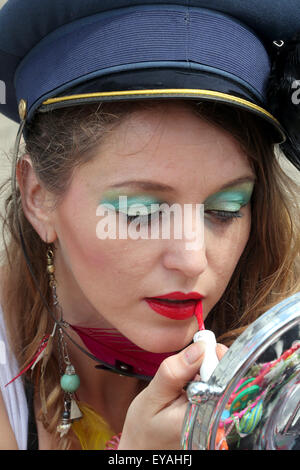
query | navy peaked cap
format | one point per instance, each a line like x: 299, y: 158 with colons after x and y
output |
x: 57, y: 53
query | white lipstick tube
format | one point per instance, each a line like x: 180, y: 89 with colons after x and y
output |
x: 210, y: 360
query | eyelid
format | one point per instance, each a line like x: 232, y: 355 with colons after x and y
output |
x: 145, y: 206
x: 233, y: 197
x: 224, y: 206
x: 142, y: 209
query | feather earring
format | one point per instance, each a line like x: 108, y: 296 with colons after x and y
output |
x: 284, y: 94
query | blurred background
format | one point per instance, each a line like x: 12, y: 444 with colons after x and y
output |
x: 8, y: 131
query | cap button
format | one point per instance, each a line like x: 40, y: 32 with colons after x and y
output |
x: 22, y: 109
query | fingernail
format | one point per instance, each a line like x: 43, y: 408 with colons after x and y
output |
x: 194, y: 352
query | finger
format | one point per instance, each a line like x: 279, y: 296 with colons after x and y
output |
x: 174, y: 373
x: 221, y: 350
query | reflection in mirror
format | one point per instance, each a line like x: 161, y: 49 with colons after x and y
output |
x: 252, y: 401
x: 263, y: 410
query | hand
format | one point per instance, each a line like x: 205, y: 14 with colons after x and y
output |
x: 155, y: 417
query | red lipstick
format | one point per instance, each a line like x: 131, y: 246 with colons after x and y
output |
x: 176, y: 305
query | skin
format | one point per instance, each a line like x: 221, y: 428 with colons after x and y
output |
x: 103, y: 283
x: 7, y: 438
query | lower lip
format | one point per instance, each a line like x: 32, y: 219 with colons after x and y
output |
x: 178, y: 311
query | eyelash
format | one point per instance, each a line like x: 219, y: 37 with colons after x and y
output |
x: 225, y: 216
x: 221, y: 216
x: 131, y: 218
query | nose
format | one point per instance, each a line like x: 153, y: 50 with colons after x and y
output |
x: 191, y: 263
x: 187, y: 254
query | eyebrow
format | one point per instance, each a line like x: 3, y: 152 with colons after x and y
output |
x: 146, y: 185
x: 154, y: 186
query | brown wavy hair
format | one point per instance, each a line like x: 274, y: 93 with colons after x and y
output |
x: 61, y: 140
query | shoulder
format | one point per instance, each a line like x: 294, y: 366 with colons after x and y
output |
x: 13, y: 403
x: 7, y: 437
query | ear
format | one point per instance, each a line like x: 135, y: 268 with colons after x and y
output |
x: 36, y: 200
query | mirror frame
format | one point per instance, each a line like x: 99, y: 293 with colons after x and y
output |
x: 208, y: 400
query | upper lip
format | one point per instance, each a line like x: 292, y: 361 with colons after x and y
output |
x: 179, y: 296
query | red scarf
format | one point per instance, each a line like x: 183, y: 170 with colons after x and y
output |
x: 109, y: 346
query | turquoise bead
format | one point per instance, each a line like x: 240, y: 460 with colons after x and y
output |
x: 225, y: 415
x: 70, y: 383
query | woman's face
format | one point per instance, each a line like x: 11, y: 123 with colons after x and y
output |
x: 173, y: 156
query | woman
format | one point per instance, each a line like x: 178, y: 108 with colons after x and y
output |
x: 77, y: 295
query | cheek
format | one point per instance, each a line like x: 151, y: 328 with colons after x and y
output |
x: 111, y: 266
x: 225, y: 249
x: 76, y: 233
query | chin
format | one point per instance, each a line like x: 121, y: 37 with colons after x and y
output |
x: 162, y: 342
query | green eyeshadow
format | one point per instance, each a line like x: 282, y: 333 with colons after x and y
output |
x: 131, y: 205
x: 230, y: 199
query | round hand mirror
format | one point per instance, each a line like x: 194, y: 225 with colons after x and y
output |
x: 252, y: 400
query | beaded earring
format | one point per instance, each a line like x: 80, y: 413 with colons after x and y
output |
x: 88, y: 426
x: 69, y: 381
